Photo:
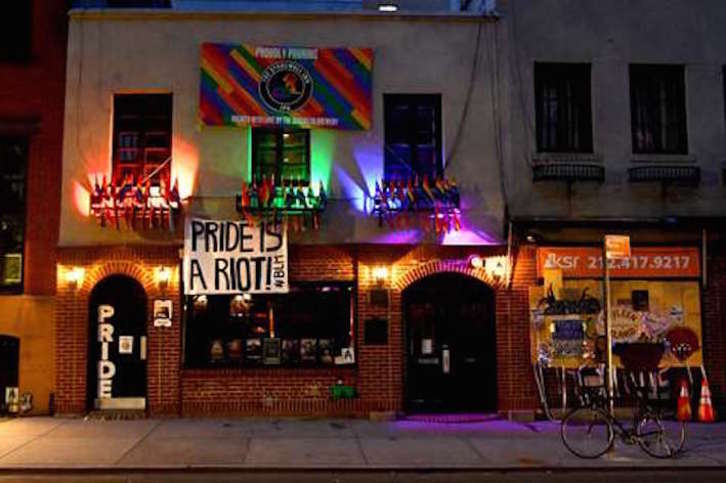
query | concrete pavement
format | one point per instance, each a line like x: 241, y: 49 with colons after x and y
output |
x: 174, y: 444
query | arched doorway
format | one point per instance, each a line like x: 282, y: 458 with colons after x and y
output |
x: 450, y: 345
x: 117, y: 344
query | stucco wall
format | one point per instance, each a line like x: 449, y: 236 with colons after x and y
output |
x: 160, y: 52
x: 611, y: 35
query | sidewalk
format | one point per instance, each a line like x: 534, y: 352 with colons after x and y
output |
x: 74, y: 444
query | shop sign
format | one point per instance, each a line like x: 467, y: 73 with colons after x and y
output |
x: 231, y: 257
x: 643, y: 262
x: 617, y: 246
x: 249, y: 85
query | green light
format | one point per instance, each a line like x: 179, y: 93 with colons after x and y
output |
x: 322, y: 149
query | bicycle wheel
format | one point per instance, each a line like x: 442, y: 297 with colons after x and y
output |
x: 587, y: 432
x: 661, y: 439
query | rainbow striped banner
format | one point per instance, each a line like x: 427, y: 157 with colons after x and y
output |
x: 246, y: 85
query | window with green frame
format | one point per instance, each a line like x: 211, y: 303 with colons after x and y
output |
x: 284, y: 153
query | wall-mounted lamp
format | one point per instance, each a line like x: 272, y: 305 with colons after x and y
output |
x: 496, y: 267
x: 476, y: 261
x: 380, y: 274
x: 163, y: 275
x: 74, y: 277
x: 387, y: 7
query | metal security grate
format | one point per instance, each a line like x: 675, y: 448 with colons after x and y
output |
x: 687, y: 175
x: 569, y: 172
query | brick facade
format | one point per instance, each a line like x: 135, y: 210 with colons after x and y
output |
x: 164, y: 348
x: 32, y: 97
x: 380, y: 370
x: 714, y: 322
x: 32, y: 94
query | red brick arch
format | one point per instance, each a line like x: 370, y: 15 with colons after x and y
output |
x: 99, y: 263
x: 99, y: 272
x: 445, y: 266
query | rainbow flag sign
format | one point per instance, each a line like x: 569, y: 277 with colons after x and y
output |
x: 247, y: 85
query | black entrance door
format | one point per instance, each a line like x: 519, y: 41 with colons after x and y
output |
x: 9, y: 364
x: 450, y: 345
x: 117, y: 345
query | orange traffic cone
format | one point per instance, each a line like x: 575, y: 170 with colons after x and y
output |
x: 705, y: 409
x: 684, y: 404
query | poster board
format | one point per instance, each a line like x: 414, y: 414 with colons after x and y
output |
x: 232, y: 257
x: 671, y: 304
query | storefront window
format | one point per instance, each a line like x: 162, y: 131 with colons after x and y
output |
x: 313, y: 325
x: 284, y: 154
x: 13, y: 162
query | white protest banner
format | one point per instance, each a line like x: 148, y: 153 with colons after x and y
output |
x: 228, y: 257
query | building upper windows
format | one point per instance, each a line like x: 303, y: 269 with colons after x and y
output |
x: 563, y: 108
x: 16, y: 31
x: 284, y: 154
x: 13, y: 168
x: 142, y: 138
x: 412, y: 136
x: 658, y: 109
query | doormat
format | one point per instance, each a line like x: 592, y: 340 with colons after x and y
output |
x: 453, y: 418
x: 118, y: 415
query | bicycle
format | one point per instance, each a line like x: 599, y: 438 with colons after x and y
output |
x: 589, y: 430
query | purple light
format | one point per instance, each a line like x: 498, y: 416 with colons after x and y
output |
x: 370, y: 164
x: 352, y: 190
x: 393, y: 237
x: 468, y: 237
x: 489, y: 426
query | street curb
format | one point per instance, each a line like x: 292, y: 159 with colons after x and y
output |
x: 110, y: 470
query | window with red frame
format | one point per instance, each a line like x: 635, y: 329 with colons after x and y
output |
x: 142, y: 137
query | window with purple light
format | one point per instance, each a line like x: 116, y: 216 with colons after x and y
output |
x: 412, y: 136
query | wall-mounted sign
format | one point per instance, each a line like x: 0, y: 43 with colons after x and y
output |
x: 644, y: 262
x: 347, y: 356
x: 229, y: 257
x: 12, y: 399
x: 617, y: 246
x: 126, y: 344
x: 13, y: 268
x: 162, y: 313
x: 248, y: 85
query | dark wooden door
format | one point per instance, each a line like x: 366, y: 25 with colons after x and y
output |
x: 117, y: 344
x: 450, y: 345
